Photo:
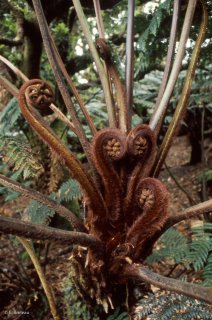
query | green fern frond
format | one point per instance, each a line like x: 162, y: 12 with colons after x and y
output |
x: 172, y: 245
x: 194, y: 254
x: 200, y: 246
x: 155, y: 24
x: 118, y: 315
x: 69, y: 190
x: 171, y: 306
x: 199, y: 252
x: 38, y: 213
x: 207, y: 272
x: 18, y: 153
x: 9, y: 116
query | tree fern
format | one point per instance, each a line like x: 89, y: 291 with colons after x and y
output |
x: 145, y: 93
x: 207, y: 272
x: 18, y: 154
x: 195, y: 254
x: 170, y: 306
x: 155, y: 24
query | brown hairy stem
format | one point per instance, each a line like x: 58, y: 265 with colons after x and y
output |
x: 35, y: 195
x: 140, y: 273
x: 39, y: 232
x: 192, y: 212
x: 48, y: 136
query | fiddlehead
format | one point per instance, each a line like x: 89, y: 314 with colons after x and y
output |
x: 141, y: 145
x: 39, y: 95
x: 108, y: 148
x: 151, y: 202
x: 30, y: 93
x: 140, y: 142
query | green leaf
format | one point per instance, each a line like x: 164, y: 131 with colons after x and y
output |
x: 69, y: 190
x: 38, y: 213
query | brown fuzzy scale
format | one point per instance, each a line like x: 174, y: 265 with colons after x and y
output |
x: 141, y: 146
x: 151, y: 197
x: 108, y: 147
x: 94, y: 199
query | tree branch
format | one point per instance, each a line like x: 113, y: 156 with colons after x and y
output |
x: 140, y: 273
x: 39, y: 232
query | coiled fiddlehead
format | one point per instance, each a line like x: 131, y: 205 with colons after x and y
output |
x: 151, y: 203
x: 38, y: 90
x: 39, y: 95
x: 141, y: 146
x: 108, y: 148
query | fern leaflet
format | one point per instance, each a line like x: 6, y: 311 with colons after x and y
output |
x: 19, y: 154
